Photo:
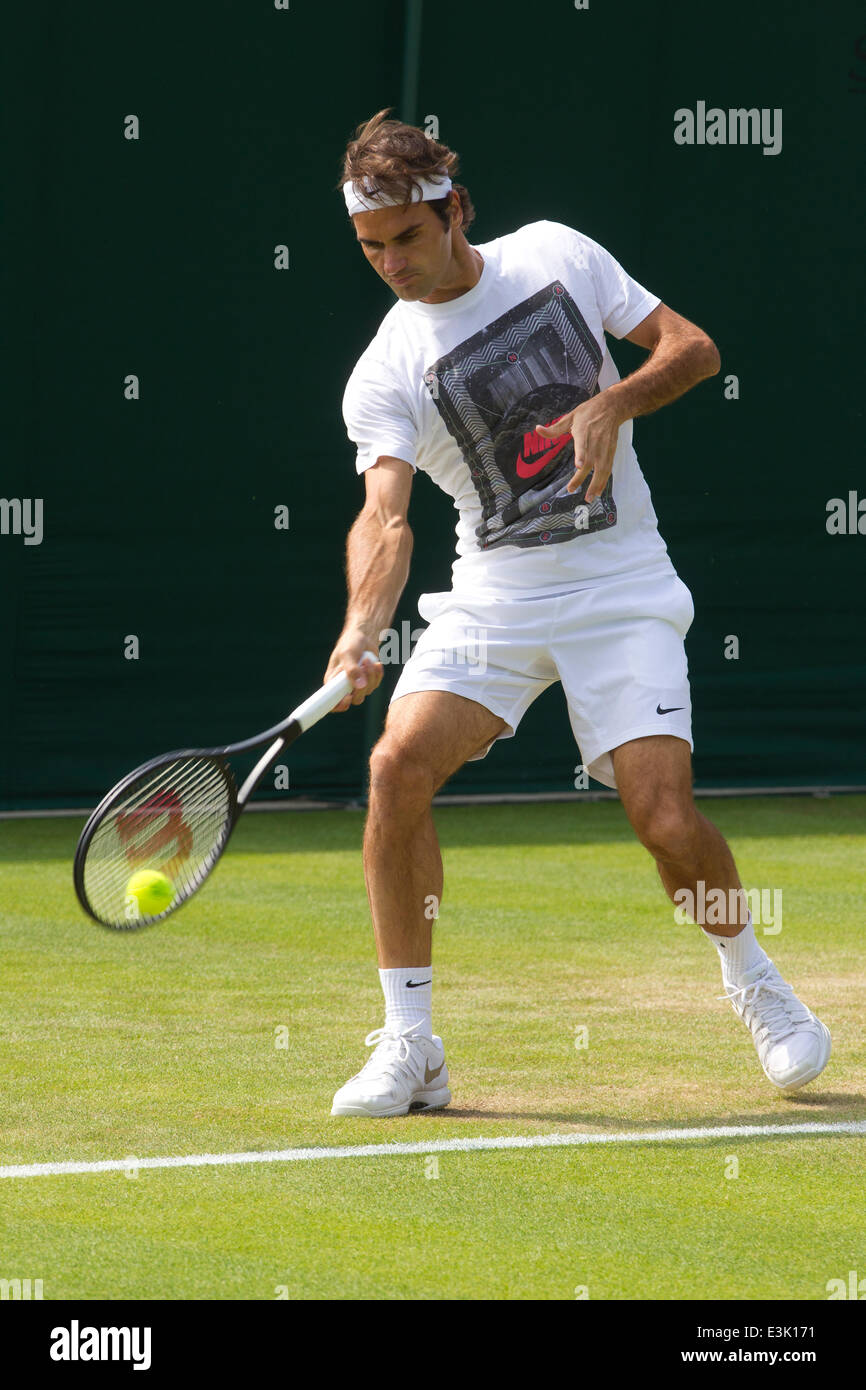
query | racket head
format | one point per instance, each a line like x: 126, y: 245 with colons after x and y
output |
x: 174, y: 816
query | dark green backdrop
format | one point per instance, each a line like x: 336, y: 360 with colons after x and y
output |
x: 155, y: 257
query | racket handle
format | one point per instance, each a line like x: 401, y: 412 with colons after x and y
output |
x: 324, y: 700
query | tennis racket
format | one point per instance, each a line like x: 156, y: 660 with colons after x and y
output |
x: 174, y: 815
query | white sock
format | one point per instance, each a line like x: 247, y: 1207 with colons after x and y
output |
x: 741, y: 953
x: 409, y: 998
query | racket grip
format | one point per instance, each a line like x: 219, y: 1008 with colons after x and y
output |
x: 324, y: 700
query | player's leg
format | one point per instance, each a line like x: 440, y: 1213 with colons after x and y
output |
x: 473, y: 674
x: 619, y: 649
x: 428, y: 735
x: 654, y: 780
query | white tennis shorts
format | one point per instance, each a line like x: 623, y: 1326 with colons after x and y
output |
x: 617, y: 647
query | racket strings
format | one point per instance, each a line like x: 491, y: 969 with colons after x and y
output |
x: 174, y: 820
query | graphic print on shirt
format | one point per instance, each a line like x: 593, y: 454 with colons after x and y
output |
x: 526, y: 368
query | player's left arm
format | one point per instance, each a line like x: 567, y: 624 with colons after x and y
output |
x: 681, y: 355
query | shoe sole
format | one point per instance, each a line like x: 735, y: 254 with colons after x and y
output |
x: 788, y: 1086
x: 424, y: 1100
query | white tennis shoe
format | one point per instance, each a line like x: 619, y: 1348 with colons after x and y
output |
x: 793, y: 1045
x: 406, y: 1072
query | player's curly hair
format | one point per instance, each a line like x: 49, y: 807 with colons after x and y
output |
x: 393, y: 155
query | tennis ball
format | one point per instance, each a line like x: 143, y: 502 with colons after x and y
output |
x: 151, y: 891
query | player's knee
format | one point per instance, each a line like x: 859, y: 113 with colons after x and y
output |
x: 400, y: 781
x: 669, y: 830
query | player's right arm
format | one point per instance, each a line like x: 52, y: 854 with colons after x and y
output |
x: 378, y: 551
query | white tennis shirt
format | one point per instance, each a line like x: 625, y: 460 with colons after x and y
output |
x: 456, y: 390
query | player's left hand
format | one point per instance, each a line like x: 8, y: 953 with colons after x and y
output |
x: 594, y: 427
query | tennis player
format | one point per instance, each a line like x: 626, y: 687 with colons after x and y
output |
x: 491, y: 374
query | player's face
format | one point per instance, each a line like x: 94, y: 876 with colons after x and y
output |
x: 408, y: 247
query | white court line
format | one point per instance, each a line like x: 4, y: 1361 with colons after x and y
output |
x: 531, y: 1141
x: 478, y: 799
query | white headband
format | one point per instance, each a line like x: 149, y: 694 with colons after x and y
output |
x: 361, y: 201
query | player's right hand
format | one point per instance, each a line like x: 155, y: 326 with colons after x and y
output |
x: 364, y: 675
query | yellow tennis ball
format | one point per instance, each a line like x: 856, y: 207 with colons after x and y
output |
x: 151, y: 891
